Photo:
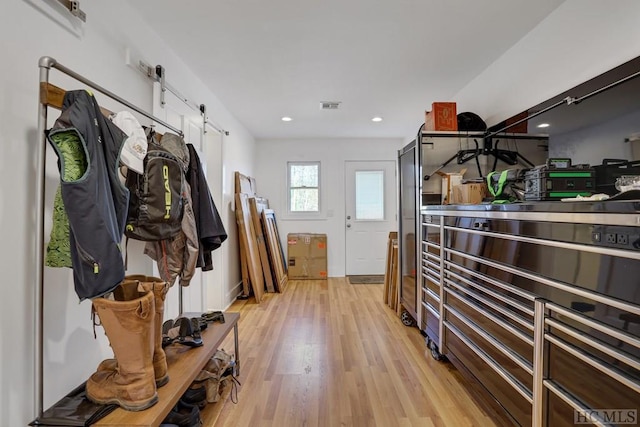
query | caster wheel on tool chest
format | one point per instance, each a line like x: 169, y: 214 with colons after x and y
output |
x: 434, y: 351
x: 407, y: 320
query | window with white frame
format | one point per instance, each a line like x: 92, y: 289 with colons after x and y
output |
x: 304, y: 187
x: 370, y: 195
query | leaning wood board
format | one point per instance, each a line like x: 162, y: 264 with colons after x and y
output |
x: 387, y: 271
x: 244, y: 184
x: 185, y: 364
x: 262, y: 248
x: 244, y: 270
x: 272, y: 215
x: 393, y: 286
x: 276, y: 255
x: 248, y: 236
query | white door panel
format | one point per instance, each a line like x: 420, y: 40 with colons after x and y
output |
x: 370, y: 215
x: 212, y: 164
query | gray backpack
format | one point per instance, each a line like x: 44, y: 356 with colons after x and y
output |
x: 155, y: 201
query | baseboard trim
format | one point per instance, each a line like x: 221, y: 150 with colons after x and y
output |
x: 233, y: 294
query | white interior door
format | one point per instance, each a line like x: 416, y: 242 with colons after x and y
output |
x: 178, y: 114
x: 214, y: 281
x: 370, y: 214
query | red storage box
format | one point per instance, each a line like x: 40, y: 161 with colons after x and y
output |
x: 442, y: 116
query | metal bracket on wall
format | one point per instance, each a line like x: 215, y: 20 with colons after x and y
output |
x: 206, y: 121
x: 73, y: 6
x: 160, y: 77
x: 160, y: 72
x: 203, y: 113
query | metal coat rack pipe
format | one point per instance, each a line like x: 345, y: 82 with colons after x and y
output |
x: 568, y: 101
x: 45, y: 64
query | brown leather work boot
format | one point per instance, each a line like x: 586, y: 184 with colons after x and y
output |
x: 128, y: 322
x: 160, y: 288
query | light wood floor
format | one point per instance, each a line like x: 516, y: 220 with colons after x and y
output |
x: 328, y: 353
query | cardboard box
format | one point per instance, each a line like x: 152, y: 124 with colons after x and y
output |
x: 450, y: 180
x: 442, y: 116
x: 471, y: 193
x: 307, y: 255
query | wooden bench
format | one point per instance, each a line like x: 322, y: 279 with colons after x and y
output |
x: 184, y: 365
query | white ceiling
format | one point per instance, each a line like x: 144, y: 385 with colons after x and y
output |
x: 265, y: 59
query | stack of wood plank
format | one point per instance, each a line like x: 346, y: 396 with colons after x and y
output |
x: 262, y: 259
x: 390, y: 292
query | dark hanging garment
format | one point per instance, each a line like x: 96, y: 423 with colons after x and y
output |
x: 211, y: 232
x: 94, y: 198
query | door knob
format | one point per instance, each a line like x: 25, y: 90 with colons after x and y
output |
x: 348, y: 216
x: 348, y: 225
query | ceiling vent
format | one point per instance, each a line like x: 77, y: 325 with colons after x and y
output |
x: 329, y: 105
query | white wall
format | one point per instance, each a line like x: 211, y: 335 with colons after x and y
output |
x: 271, y: 177
x: 30, y: 29
x: 579, y: 40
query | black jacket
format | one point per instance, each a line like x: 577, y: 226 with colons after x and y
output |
x: 211, y: 232
x: 96, y: 202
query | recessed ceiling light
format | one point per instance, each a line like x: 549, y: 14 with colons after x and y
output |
x: 543, y: 125
x: 376, y: 119
x: 286, y: 119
